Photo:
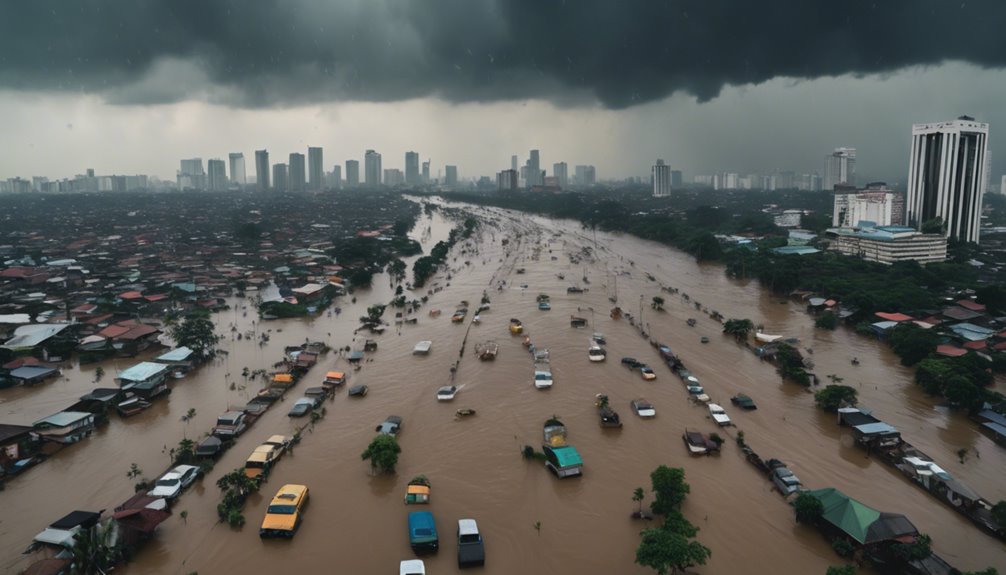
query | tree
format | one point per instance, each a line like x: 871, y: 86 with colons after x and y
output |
x: 196, y: 333
x: 933, y: 226
x: 834, y: 396
x: 658, y: 303
x: 841, y: 570
x: 827, y: 320
x: 739, y: 328
x: 809, y: 509
x: 99, y: 372
x: 668, y: 552
x: 916, y: 550
x: 92, y: 550
x: 912, y: 343
x: 791, y: 365
x: 670, y: 489
x: 999, y: 513
x: 383, y: 453
x: 638, y: 496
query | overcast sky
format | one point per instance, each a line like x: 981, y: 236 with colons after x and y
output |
x: 132, y: 87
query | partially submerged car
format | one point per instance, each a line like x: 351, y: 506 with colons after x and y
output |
x: 392, y: 425
x: 171, y: 484
x: 284, y: 515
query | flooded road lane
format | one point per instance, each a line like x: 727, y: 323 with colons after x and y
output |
x: 356, y: 522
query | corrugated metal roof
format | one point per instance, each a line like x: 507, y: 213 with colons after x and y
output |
x: 142, y: 371
x: 178, y: 354
x: 31, y: 335
x: 63, y: 418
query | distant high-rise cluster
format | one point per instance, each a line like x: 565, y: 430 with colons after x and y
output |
x: 216, y: 173
x: 946, y: 176
x: 451, y: 176
x: 352, y: 173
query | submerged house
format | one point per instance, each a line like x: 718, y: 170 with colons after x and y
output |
x: 181, y: 358
x: 65, y: 426
x: 868, y: 430
x: 860, y: 523
x: 146, y: 379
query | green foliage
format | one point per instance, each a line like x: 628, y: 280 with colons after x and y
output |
x: 248, y: 231
x: 833, y: 397
x: 827, y: 320
x: 843, y: 547
x: 282, y: 309
x: 360, y: 277
x: 739, y: 328
x: 637, y: 496
x: 960, y: 380
x: 383, y: 453
x: 912, y: 343
x: 185, y: 453
x: 658, y: 303
x: 402, y: 227
x: 93, y: 551
x: 809, y: 509
x: 790, y: 365
x: 670, y: 489
x: 986, y: 571
x: 815, y: 222
x: 666, y: 551
x: 993, y: 296
x: 933, y: 226
x: 916, y: 550
x: 841, y: 570
x: 999, y: 513
x: 196, y: 333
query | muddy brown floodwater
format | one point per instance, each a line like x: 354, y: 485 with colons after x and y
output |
x: 356, y: 523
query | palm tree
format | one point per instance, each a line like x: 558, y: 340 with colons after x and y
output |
x: 92, y: 552
x: 637, y: 496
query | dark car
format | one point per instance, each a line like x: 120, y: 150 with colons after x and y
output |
x: 302, y: 407
x: 471, y: 550
x: 631, y: 362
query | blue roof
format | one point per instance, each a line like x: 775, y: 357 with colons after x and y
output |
x: 971, y: 332
x: 993, y: 417
x: 64, y: 418
x: 32, y: 372
x: 142, y: 371
x: 180, y: 354
x: 878, y: 427
x: 999, y: 429
x: 567, y: 456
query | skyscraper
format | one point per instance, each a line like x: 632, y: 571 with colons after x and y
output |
x: 426, y: 172
x: 191, y: 175
x: 561, y: 173
x: 586, y: 175
x: 216, y: 171
x: 279, y: 180
x: 534, y: 176
x: 513, y: 162
x: 238, y: 176
x: 372, y: 169
x: 315, y: 169
x: 335, y: 180
x: 946, y: 176
x: 262, y: 169
x: 412, y: 169
x: 661, y: 180
x: 451, y: 176
x: 677, y: 179
x: 507, y: 180
x: 296, y: 173
x: 352, y: 173
x: 840, y: 168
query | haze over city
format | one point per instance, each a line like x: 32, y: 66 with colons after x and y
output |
x: 132, y: 88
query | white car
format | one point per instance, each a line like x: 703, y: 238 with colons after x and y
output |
x: 596, y: 353
x: 171, y: 484
x: 447, y: 392
x: 719, y: 415
x: 542, y: 378
x: 412, y: 567
x: 643, y: 408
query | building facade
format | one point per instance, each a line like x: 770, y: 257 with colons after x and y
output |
x: 262, y: 169
x: 888, y: 244
x: 661, y: 180
x: 561, y: 172
x: 238, y: 175
x: 335, y: 178
x: 412, y: 176
x: 451, y: 176
x: 372, y: 169
x: 279, y: 178
x: 946, y: 176
x: 534, y: 175
x: 840, y: 168
x: 216, y: 172
x: 507, y: 181
x: 586, y: 175
x: 352, y: 173
x: 296, y: 173
x: 315, y: 169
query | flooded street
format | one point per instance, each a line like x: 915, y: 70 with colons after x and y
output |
x: 356, y: 522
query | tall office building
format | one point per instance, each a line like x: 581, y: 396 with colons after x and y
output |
x: 426, y: 172
x: 677, y: 179
x: 561, y: 173
x: 191, y: 175
x: 262, y: 169
x: 946, y: 175
x: 372, y: 169
x: 296, y: 173
x: 238, y: 176
x: 315, y: 169
x: 661, y: 180
x: 216, y: 171
x: 840, y: 168
x: 352, y: 174
x: 279, y: 178
x: 513, y: 162
x: 586, y: 175
x: 534, y: 175
x: 335, y: 178
x: 508, y: 180
x: 451, y: 176
x: 393, y: 177
x: 412, y: 169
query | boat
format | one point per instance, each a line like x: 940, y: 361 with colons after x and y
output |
x: 516, y: 327
x: 719, y: 415
x: 596, y: 353
x: 744, y: 402
x: 608, y: 416
x: 131, y: 406
x: 487, y: 350
x: 422, y: 348
x: 418, y: 490
x: 699, y: 444
x: 766, y: 338
x: 434, y: 313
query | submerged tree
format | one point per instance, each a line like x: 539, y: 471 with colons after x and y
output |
x: 739, y: 328
x: 833, y: 397
x: 196, y: 333
x: 667, y: 551
x: 383, y: 453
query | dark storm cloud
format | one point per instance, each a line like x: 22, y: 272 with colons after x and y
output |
x: 276, y: 53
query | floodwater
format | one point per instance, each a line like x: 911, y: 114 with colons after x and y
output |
x: 356, y: 522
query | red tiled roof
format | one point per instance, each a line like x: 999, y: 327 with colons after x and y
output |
x: 155, y: 297
x: 21, y: 362
x: 893, y: 316
x: 999, y: 346
x: 113, y: 331
x: 971, y: 305
x: 99, y: 319
x: 137, y: 332
x: 950, y: 351
x: 130, y: 295
x: 980, y: 344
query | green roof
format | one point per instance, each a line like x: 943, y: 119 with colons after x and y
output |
x: 567, y: 456
x: 844, y: 512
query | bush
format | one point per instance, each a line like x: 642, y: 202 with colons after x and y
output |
x: 827, y: 320
x: 833, y: 397
x: 843, y: 547
x: 809, y: 509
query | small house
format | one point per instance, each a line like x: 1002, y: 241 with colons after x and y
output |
x: 564, y: 461
x: 146, y: 379
x: 65, y: 426
x: 32, y: 374
x: 178, y: 358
